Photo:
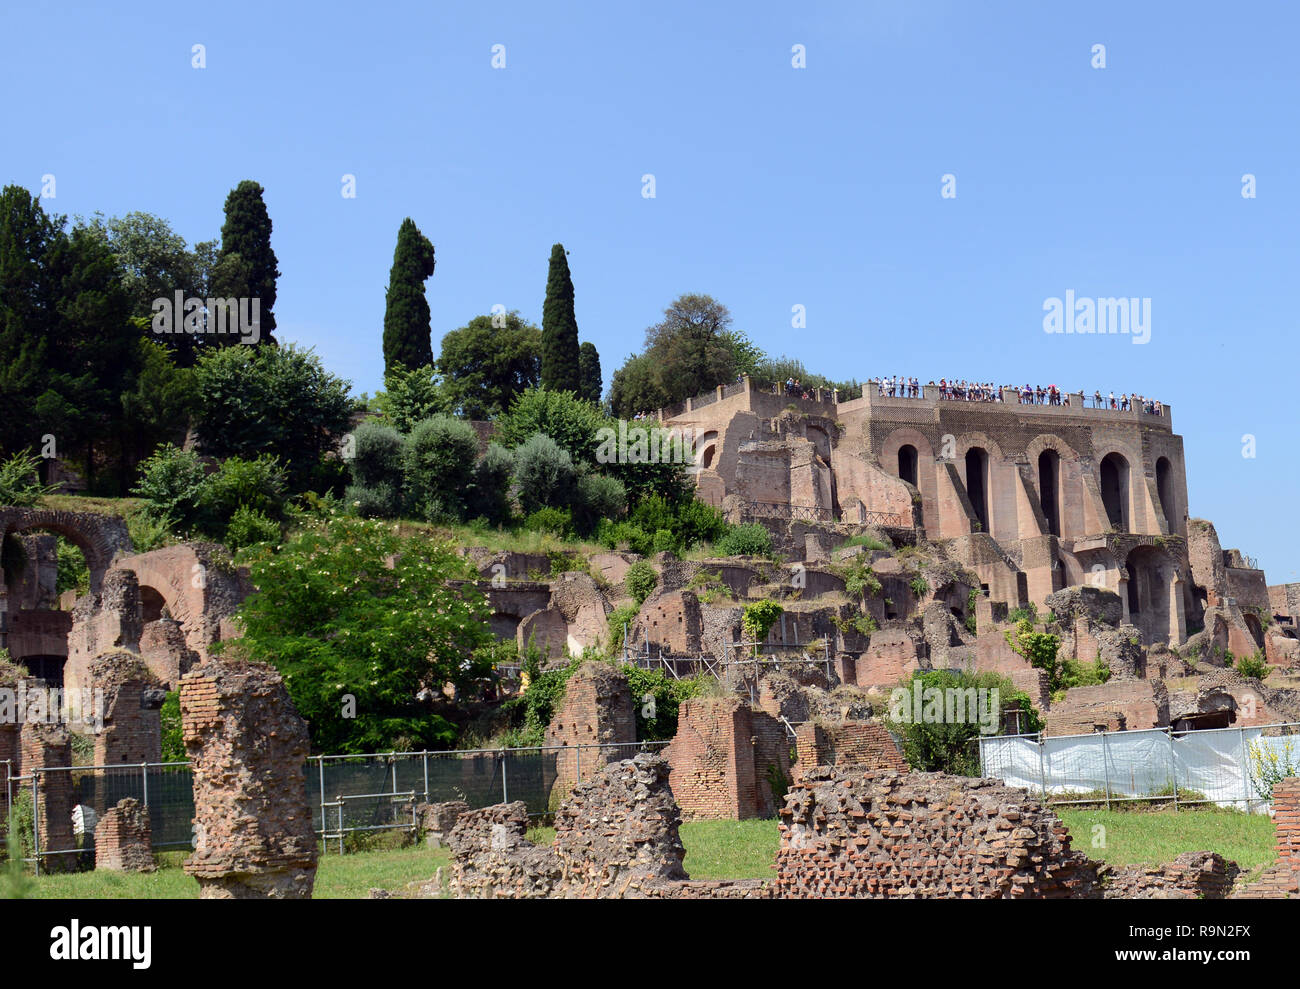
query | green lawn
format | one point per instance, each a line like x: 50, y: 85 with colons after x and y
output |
x: 717, y: 850
x: 1132, y: 837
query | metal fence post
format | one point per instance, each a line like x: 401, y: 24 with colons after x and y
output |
x: 36, y: 820
x: 324, y: 825
x: 1042, y: 769
x: 424, y: 757
x: 144, y: 784
x: 1245, y: 769
x: 577, y: 764
x: 1173, y: 763
x: 1105, y: 767
x: 505, y: 793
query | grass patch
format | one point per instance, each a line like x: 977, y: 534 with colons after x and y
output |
x: 1156, y: 837
x: 337, y: 878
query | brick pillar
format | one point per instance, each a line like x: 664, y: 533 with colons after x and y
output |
x: 1286, y: 819
x: 247, y: 749
x: 131, y: 696
x: 124, y: 838
x: 47, y: 745
x: 597, y: 710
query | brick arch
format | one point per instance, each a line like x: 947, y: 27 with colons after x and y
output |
x: 968, y: 440
x: 1049, y: 441
x: 899, y: 438
x: 99, y: 537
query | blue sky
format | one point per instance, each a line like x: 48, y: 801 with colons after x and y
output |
x: 775, y: 186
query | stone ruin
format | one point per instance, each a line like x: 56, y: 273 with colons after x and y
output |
x: 124, y: 838
x: 247, y: 747
x: 597, y: 710
x: 616, y: 837
x: 436, y: 821
x: 132, y: 698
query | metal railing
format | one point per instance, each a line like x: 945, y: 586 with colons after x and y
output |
x: 349, y: 794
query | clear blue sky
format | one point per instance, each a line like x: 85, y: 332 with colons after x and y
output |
x: 775, y: 186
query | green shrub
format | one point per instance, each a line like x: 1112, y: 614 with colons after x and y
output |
x: 438, y: 467
x: 758, y: 619
x: 259, y: 484
x: 618, y: 618
x: 20, y: 483
x: 1255, y: 666
x: 571, y: 422
x: 173, y: 741
x: 556, y: 521
x: 751, y: 539
x: 374, y: 501
x: 623, y: 536
x: 544, y: 474
x: 248, y: 527
x: 864, y: 539
x: 919, y: 585
x: 640, y: 580
x: 73, y: 574
x: 171, y: 482
x: 860, y: 580
x: 1040, y: 648
x: 488, y: 496
x: 598, y: 497
x: 657, y: 698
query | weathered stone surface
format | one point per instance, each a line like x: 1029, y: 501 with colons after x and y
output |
x: 436, y: 821
x: 1096, y: 604
x: 124, y: 838
x: 247, y: 748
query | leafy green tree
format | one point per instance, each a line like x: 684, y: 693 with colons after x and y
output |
x: 757, y: 620
x: 246, y: 266
x: 440, y: 456
x: 156, y: 402
x: 252, y: 399
x: 155, y: 262
x: 640, y: 580
x: 590, y: 381
x: 636, y: 387
x: 488, y: 496
x: 572, y: 423
x: 485, y: 367
x: 378, y: 465
x: 20, y: 481
x: 407, y: 333
x: 544, y: 474
x: 365, y: 624
x: 597, y: 497
x: 560, y: 358
x: 410, y: 397
x: 26, y: 301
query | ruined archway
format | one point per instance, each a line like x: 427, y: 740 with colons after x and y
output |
x: 99, y: 537
x: 1152, y: 584
x: 977, y: 482
x: 1049, y: 487
x: 908, y: 459
x: 1114, y: 490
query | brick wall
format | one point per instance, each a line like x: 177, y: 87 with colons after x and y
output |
x: 922, y: 836
x: 1282, y: 879
x: 847, y: 745
x: 49, y: 745
x: 247, y: 747
x: 124, y: 838
x: 721, y: 758
x: 132, y: 729
x: 597, y: 710
x: 1191, y: 876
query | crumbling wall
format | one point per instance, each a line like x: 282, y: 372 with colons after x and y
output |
x: 49, y: 745
x: 1191, y: 876
x: 1138, y: 703
x: 616, y: 837
x: 247, y: 748
x: 124, y: 838
x: 1282, y: 879
x: 725, y: 758
x: 861, y: 745
x: 922, y: 836
x: 164, y: 650
x: 597, y: 710
x: 107, y: 621
x: 132, y: 698
x: 437, y: 820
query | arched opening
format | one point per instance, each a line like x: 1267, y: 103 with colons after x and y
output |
x: 1049, y: 474
x: 1165, y: 489
x: 1150, y: 579
x: 977, y: 469
x: 1114, y: 490
x: 907, y: 463
x: 1134, y: 603
x: 151, y: 604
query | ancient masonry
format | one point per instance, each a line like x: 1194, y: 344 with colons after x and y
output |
x: 1282, y: 879
x: 437, y: 820
x: 616, y: 837
x: 133, y: 696
x: 726, y: 759
x: 856, y: 744
x: 247, y: 748
x: 49, y: 745
x: 124, y: 838
x: 597, y: 710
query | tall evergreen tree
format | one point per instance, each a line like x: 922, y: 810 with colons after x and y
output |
x: 25, y: 303
x: 560, y: 362
x: 589, y: 372
x: 246, y: 266
x: 408, y: 337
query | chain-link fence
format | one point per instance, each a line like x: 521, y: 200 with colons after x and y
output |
x: 1229, y: 767
x: 348, y: 794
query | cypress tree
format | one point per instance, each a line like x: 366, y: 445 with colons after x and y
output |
x: 407, y: 333
x: 560, y: 361
x: 246, y: 266
x: 589, y: 372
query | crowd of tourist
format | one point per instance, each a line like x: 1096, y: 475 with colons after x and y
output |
x: 962, y: 390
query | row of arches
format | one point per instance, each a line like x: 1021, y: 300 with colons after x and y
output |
x: 1114, y: 477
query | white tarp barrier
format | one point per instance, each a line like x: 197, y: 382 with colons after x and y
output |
x: 1215, y: 763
